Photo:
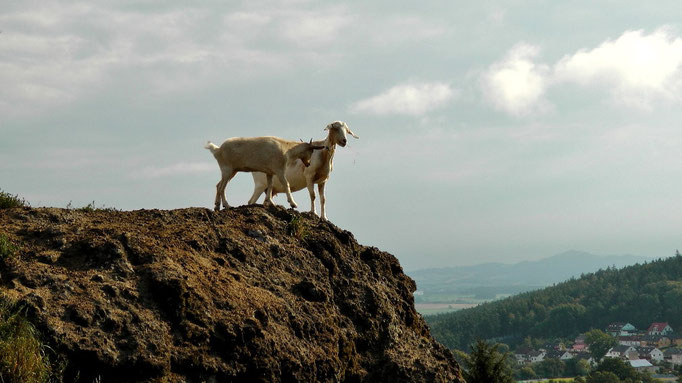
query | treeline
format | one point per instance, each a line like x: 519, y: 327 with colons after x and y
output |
x: 638, y: 294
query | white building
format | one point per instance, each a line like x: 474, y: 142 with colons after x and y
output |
x: 623, y: 352
x: 673, y: 356
x: 643, y: 365
x: 650, y: 353
x: 659, y: 328
x: 620, y: 328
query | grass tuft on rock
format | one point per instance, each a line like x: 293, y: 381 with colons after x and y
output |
x: 7, y: 248
x: 8, y: 201
x: 22, y: 355
x: 297, y: 228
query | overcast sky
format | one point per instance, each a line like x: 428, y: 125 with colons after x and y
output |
x: 489, y: 131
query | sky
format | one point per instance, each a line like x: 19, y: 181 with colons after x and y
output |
x: 492, y: 131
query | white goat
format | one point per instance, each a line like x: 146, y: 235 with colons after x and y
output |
x: 300, y: 176
x: 269, y: 155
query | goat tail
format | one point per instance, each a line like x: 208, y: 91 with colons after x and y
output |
x: 211, y: 146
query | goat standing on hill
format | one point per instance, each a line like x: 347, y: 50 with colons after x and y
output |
x: 300, y: 176
x: 270, y: 155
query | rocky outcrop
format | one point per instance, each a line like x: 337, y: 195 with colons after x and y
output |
x: 246, y: 295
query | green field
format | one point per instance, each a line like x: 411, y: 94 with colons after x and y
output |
x: 439, y: 308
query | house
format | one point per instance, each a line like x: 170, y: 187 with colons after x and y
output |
x: 630, y: 340
x: 559, y: 346
x: 622, y: 352
x: 526, y: 355
x: 664, y: 341
x: 567, y: 355
x: 659, y: 341
x: 579, y: 344
x: 558, y: 354
x: 537, y: 356
x: 673, y: 356
x: 650, y: 353
x: 620, y: 328
x: 643, y: 365
x: 659, y: 328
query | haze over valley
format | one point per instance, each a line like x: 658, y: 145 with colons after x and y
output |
x: 452, y: 288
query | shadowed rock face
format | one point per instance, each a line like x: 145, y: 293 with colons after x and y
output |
x: 195, y: 295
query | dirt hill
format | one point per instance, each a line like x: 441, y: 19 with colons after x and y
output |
x: 245, y: 295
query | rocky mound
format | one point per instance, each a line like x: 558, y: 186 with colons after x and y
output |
x: 248, y: 295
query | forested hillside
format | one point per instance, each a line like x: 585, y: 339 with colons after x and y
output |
x: 638, y: 294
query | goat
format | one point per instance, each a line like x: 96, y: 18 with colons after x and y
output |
x: 269, y: 155
x: 300, y: 176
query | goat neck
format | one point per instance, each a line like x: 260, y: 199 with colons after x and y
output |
x: 331, y: 148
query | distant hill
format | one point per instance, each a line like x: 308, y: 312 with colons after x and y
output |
x: 639, y: 294
x: 490, y: 279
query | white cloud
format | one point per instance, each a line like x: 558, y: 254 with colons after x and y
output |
x: 516, y: 84
x: 636, y: 67
x: 413, y: 99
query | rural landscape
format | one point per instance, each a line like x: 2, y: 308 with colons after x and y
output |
x: 284, y: 191
x: 83, y: 288
x: 567, y: 330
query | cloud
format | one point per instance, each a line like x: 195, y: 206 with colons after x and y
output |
x: 413, y: 99
x: 516, y: 84
x: 54, y: 55
x: 637, y: 68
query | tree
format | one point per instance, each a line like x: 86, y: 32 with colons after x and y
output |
x: 582, y: 367
x: 577, y: 367
x: 602, y: 377
x: 550, y: 368
x: 526, y: 373
x: 486, y: 364
x: 599, y: 342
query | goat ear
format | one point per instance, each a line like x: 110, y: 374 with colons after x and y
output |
x: 328, y: 127
x: 351, y: 132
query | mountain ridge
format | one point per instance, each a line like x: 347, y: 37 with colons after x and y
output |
x: 533, y: 274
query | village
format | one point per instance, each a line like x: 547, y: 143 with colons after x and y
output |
x: 651, y: 350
